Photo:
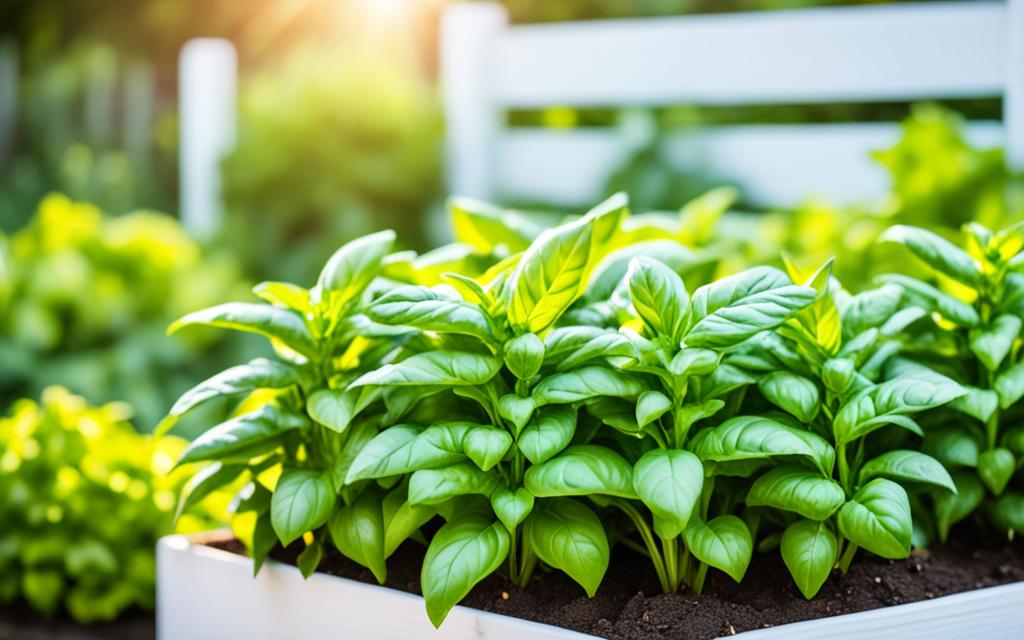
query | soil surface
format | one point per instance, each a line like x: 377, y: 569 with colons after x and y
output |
x: 16, y: 623
x: 630, y: 606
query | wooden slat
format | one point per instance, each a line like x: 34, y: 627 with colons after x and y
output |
x: 898, y: 52
x: 780, y: 165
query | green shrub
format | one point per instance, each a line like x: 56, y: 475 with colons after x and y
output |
x: 83, y: 499
x: 84, y: 301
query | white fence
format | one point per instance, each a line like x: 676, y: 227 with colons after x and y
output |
x: 850, y: 54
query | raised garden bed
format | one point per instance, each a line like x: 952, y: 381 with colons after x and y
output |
x: 206, y: 590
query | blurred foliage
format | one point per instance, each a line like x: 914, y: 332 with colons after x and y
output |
x: 85, y: 301
x: 83, y: 499
x: 330, y: 148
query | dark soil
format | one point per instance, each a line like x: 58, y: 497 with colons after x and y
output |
x: 629, y: 605
x: 19, y: 624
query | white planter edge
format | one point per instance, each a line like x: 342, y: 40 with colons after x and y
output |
x: 207, y: 593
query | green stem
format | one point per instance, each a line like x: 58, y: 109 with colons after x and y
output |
x: 698, y: 580
x: 671, y: 549
x: 847, y: 557
x: 652, y: 547
x: 513, y: 563
x: 526, y: 567
x: 992, y: 426
x: 844, y: 468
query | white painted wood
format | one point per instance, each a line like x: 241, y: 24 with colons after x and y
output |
x: 897, y: 52
x: 777, y: 165
x: 207, y: 86
x: 473, y: 118
x: 854, y: 54
x: 204, y: 593
x: 207, y: 594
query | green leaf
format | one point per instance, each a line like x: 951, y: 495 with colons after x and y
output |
x: 333, y: 408
x: 566, y: 535
x: 245, y: 436
x: 489, y: 229
x: 757, y: 437
x: 692, y: 361
x: 937, y: 252
x: 904, y: 465
x: 284, y: 295
x: 309, y: 559
x: 995, y: 468
x: 440, y: 368
x: 882, y: 404
x: 303, y: 501
x: 952, y: 447
x: 1008, y: 511
x: 263, y: 541
x: 393, y: 452
x: 928, y: 297
x: 877, y: 518
x: 354, y: 266
x: 1010, y: 385
x: 723, y: 542
x: 809, y: 549
x: 524, y: 355
x: 734, y: 308
x: 793, y: 488
x: 554, y: 270
x: 516, y: 410
x: 467, y: 549
x: 650, y: 406
x: 570, y: 347
x: 669, y: 482
x: 202, y: 484
x: 433, y: 486
x: 951, y: 508
x: 358, y: 532
x: 245, y: 378
x: 512, y: 507
x: 485, y: 445
x: 425, y: 309
x: 977, y: 403
x: 275, y: 323
x: 659, y: 297
x: 581, y: 470
x: 402, y: 519
x: 870, y: 309
x: 792, y: 393
x: 549, y: 432
x: 992, y: 343
x: 585, y: 383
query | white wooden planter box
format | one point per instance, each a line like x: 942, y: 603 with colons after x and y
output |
x: 203, y: 592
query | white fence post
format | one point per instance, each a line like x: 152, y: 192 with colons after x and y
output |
x: 208, y: 81
x: 473, y: 121
x: 1013, y: 99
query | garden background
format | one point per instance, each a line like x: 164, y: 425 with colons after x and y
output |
x: 340, y: 133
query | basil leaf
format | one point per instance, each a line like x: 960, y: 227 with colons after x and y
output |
x: 585, y: 383
x: 512, y: 507
x: 567, y: 535
x: 995, y: 468
x: 243, y: 437
x: 549, y: 432
x: 274, y: 323
x: 554, y: 270
x: 757, y: 437
x: 723, y: 542
x: 992, y: 343
x: 952, y: 447
x: 309, y: 559
x: 284, y: 295
x: 907, y: 466
x: 928, y: 297
x: 870, y: 309
x: 303, y: 500
x: 524, y: 355
x: 791, y: 393
x: 882, y: 404
x: 433, y: 486
x: 393, y: 452
x: 650, y: 406
x: 425, y: 309
x: 937, y: 252
x: 464, y: 551
x: 581, y: 470
x: 730, y: 310
x: 447, y: 368
x: 795, y: 489
x: 210, y: 479
x: 1010, y: 385
x: 951, y: 508
x: 809, y: 549
x: 877, y: 518
x: 516, y: 410
x: 489, y: 229
x: 333, y: 408
x: 401, y: 519
x: 669, y: 483
x: 977, y: 403
x: 358, y: 532
x: 353, y: 267
x: 659, y: 297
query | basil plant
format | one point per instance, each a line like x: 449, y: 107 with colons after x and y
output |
x: 475, y: 404
x: 293, y: 439
x: 825, y: 469
x: 972, y: 333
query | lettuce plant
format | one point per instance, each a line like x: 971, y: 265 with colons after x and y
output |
x: 293, y: 438
x: 482, y: 405
x: 822, y: 469
x: 972, y: 333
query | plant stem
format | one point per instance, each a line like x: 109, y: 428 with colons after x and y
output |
x: 847, y: 557
x: 698, y: 580
x: 513, y: 563
x: 652, y: 547
x: 844, y: 468
x: 671, y: 548
x: 526, y: 567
